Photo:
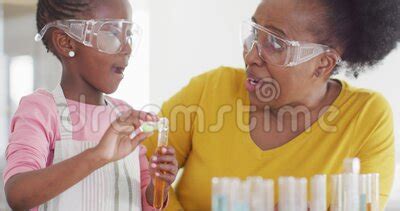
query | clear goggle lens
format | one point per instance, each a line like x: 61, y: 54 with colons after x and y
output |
x: 112, y: 37
x: 270, y: 47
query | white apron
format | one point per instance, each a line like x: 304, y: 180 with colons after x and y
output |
x: 115, y: 186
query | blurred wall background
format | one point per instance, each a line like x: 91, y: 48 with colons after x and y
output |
x: 187, y: 38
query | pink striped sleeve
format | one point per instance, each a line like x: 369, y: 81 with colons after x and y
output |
x: 31, y: 135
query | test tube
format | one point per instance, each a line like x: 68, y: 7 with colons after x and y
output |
x: 159, y: 185
x: 269, y: 195
x: 257, y: 193
x: 374, y: 192
x: 318, y: 193
x: 234, y: 189
x: 219, y: 194
x: 301, y: 194
x: 351, y: 192
x: 287, y: 193
x: 261, y: 194
x: 364, y: 192
x: 336, y: 193
x: 243, y: 201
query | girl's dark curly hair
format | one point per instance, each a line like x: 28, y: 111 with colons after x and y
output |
x: 51, y: 10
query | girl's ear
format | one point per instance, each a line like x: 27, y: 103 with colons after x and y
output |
x: 62, y: 43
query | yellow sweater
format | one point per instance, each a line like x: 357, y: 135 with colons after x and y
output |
x: 209, y: 130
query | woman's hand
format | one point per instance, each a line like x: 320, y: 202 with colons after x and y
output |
x: 116, y: 143
x: 163, y: 165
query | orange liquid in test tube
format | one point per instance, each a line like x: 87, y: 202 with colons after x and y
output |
x: 159, y: 185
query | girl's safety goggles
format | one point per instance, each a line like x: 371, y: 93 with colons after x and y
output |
x: 106, y: 35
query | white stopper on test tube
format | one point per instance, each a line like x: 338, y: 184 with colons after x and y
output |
x: 318, y: 193
x: 352, y: 165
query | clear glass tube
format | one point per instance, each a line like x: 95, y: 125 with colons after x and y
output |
x: 336, y: 193
x: 364, y: 198
x: 301, y: 195
x: 287, y: 193
x: 159, y: 185
x: 257, y: 193
x: 269, y: 195
x: 220, y: 194
x: 374, y: 192
x: 318, y: 193
x: 351, y: 192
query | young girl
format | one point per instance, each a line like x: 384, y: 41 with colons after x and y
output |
x: 70, y: 149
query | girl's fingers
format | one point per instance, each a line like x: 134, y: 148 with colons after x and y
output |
x: 138, y: 139
x: 142, y: 115
x: 154, y: 116
x: 127, y: 118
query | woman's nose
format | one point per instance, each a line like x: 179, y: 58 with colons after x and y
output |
x: 252, y: 56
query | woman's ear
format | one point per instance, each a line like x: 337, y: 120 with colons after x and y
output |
x: 326, y: 65
x: 63, y: 44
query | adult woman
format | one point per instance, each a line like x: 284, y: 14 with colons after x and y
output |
x: 311, y: 122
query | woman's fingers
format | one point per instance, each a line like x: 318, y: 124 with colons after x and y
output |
x: 164, y: 159
x: 168, y: 178
x: 134, y: 118
x: 166, y: 168
x: 168, y: 150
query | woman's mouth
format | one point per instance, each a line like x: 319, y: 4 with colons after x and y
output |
x: 251, y: 84
x: 253, y: 81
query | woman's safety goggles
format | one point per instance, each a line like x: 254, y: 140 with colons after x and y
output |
x: 276, y: 50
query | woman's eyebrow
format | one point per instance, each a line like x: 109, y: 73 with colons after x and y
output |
x: 272, y: 28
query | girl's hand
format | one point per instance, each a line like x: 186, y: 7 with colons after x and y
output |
x: 116, y: 143
x: 163, y: 165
